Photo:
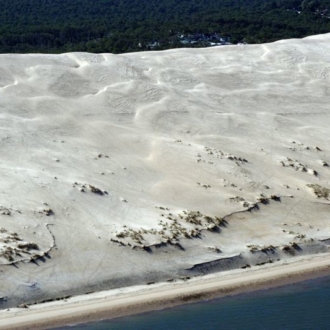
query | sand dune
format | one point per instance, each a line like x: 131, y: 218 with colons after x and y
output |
x: 120, y: 170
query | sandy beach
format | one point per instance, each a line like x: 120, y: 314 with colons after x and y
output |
x: 120, y: 171
x: 112, y: 304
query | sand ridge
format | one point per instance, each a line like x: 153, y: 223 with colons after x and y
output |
x: 126, y: 169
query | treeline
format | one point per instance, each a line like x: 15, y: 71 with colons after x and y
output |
x: 117, y: 26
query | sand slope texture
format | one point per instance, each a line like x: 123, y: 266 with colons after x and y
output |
x: 119, y: 170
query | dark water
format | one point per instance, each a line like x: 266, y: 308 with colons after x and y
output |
x: 304, y: 305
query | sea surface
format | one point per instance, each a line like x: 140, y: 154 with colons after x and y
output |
x: 304, y: 305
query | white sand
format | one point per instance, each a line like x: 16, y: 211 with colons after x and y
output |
x: 116, y: 303
x: 104, y: 156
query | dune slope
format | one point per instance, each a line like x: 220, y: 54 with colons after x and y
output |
x: 126, y: 169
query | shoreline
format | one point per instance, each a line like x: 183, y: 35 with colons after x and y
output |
x: 128, y: 301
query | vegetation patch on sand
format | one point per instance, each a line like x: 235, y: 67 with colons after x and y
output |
x: 319, y: 191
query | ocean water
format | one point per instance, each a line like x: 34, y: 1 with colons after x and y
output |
x: 304, y: 305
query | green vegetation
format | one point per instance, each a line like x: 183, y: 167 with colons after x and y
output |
x: 53, y: 26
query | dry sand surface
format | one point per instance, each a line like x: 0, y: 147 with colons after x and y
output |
x: 121, y: 170
x: 127, y: 301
